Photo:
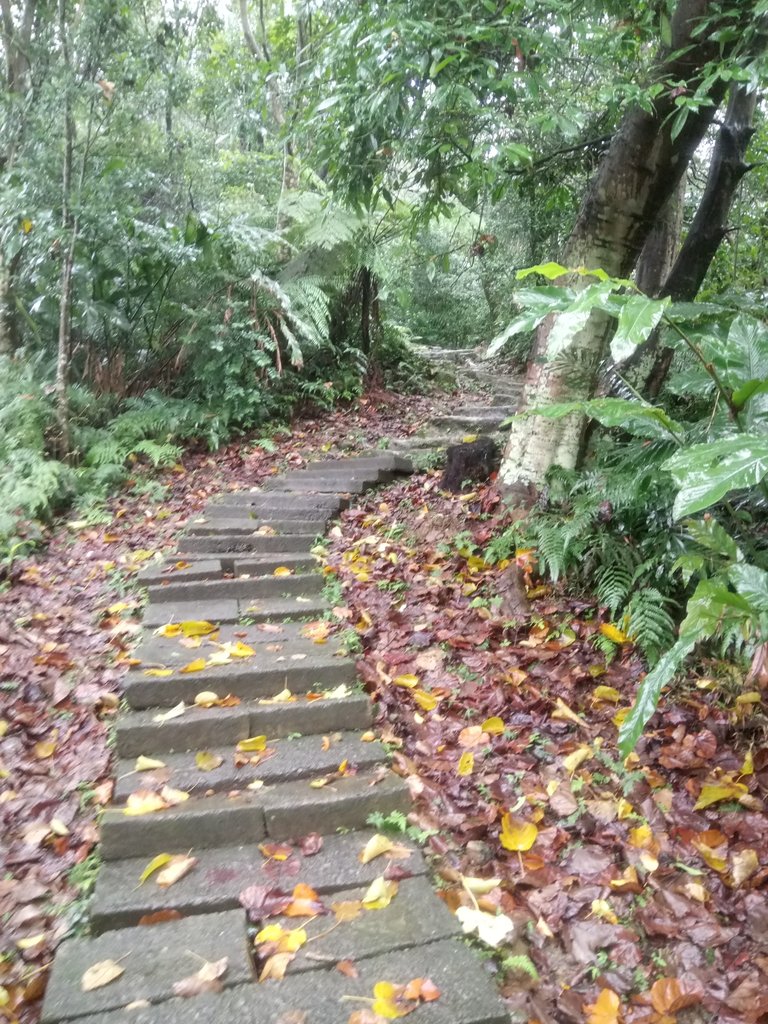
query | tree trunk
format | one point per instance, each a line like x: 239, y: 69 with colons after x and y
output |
x: 710, y: 224
x: 660, y: 247
x: 640, y: 171
x: 6, y: 330
x: 68, y: 250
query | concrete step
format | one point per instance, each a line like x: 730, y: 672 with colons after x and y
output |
x: 250, y: 588
x: 285, y: 760
x: 278, y: 812
x: 199, y: 728
x: 471, y: 423
x: 165, y: 574
x: 468, y: 994
x: 278, y: 502
x: 219, y: 542
x: 203, y: 527
x: 326, y: 482
x: 248, y: 678
x: 230, y: 610
x: 385, y: 461
x: 221, y: 874
x: 152, y: 960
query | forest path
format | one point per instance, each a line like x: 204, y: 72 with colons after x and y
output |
x: 262, y: 775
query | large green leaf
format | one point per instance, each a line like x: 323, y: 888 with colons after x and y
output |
x: 705, y: 473
x: 635, y: 418
x: 565, y: 328
x: 649, y: 691
x: 524, y: 322
x: 751, y: 584
x: 639, y: 316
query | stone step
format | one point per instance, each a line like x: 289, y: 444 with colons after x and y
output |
x: 254, y: 587
x: 243, y: 543
x: 203, y: 527
x: 414, y: 918
x: 167, y: 573
x: 326, y: 503
x: 471, y: 423
x: 278, y: 812
x: 467, y: 993
x: 248, y: 679
x: 198, y: 728
x: 231, y: 611
x: 285, y: 760
x: 385, y: 461
x: 152, y: 960
x: 325, y: 482
x: 279, y: 642
x: 221, y: 874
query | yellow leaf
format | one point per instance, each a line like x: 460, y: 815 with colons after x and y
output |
x: 606, y: 693
x: 157, y: 862
x: 427, y: 701
x: 176, y: 868
x: 712, y: 794
x: 409, y: 681
x: 603, y: 910
x: 30, y: 941
x: 206, y: 699
x: 282, y: 570
x: 375, y: 847
x: 58, y: 827
x: 44, y: 749
x: 292, y: 941
x: 743, y: 865
x: 494, y: 726
x: 466, y: 763
x: 194, y: 666
x: 479, y: 886
x: 240, y: 650
x: 517, y: 834
x: 253, y: 743
x: 147, y: 764
x: 3, y: 727
x: 562, y: 711
x: 158, y: 673
x: 100, y: 974
x: 207, y: 761
x: 385, y: 1001
x: 380, y: 893
x: 319, y: 783
x: 173, y: 796
x: 170, y: 630
x: 469, y: 438
x: 271, y: 933
x: 617, y: 637
x: 753, y: 697
x: 174, y: 712
x: 577, y: 758
x: 606, y: 1008
x: 747, y: 768
x: 618, y: 718
x: 195, y: 627
x: 624, y: 809
x: 641, y: 837
x: 26, y: 225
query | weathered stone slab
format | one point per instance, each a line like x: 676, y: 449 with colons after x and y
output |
x: 328, y: 503
x: 153, y: 958
x: 220, y: 875
x: 346, y: 804
x: 236, y: 527
x: 299, y: 606
x: 326, y: 483
x: 387, y: 461
x: 160, y: 613
x: 196, y: 729
x: 467, y: 994
x: 415, y: 916
x: 240, y: 589
x: 167, y: 571
x: 289, y: 760
x: 238, y: 543
x: 246, y: 681
x: 319, y: 716
x: 264, y: 565
x: 197, y: 824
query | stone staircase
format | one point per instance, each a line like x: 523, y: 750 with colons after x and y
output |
x: 497, y: 397
x: 246, y: 568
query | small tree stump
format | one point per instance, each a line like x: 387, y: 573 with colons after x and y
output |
x: 473, y: 461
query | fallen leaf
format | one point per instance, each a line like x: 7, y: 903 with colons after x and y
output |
x: 147, y: 764
x: 715, y: 793
x: 100, y: 974
x: 347, y: 910
x: 380, y: 893
x: 375, y: 847
x: 517, y: 834
x: 157, y: 862
x: 206, y: 699
x: 207, y: 761
x: 491, y: 928
x: 607, y: 1007
x: 144, y: 801
x: 207, y: 979
x: 174, y: 712
x: 615, y: 635
x: 194, y: 666
x: 177, y: 868
x: 466, y: 763
x: 494, y: 726
x: 479, y: 886
x: 276, y: 966
x: 252, y: 744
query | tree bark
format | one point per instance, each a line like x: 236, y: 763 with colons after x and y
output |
x: 710, y: 224
x: 68, y: 253
x: 641, y: 169
x: 658, y: 253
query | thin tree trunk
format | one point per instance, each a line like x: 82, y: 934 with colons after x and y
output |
x: 658, y: 253
x: 69, y: 228
x: 641, y: 169
x: 6, y: 330
x: 710, y: 224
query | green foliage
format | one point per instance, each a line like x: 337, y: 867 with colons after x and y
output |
x: 614, y: 527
